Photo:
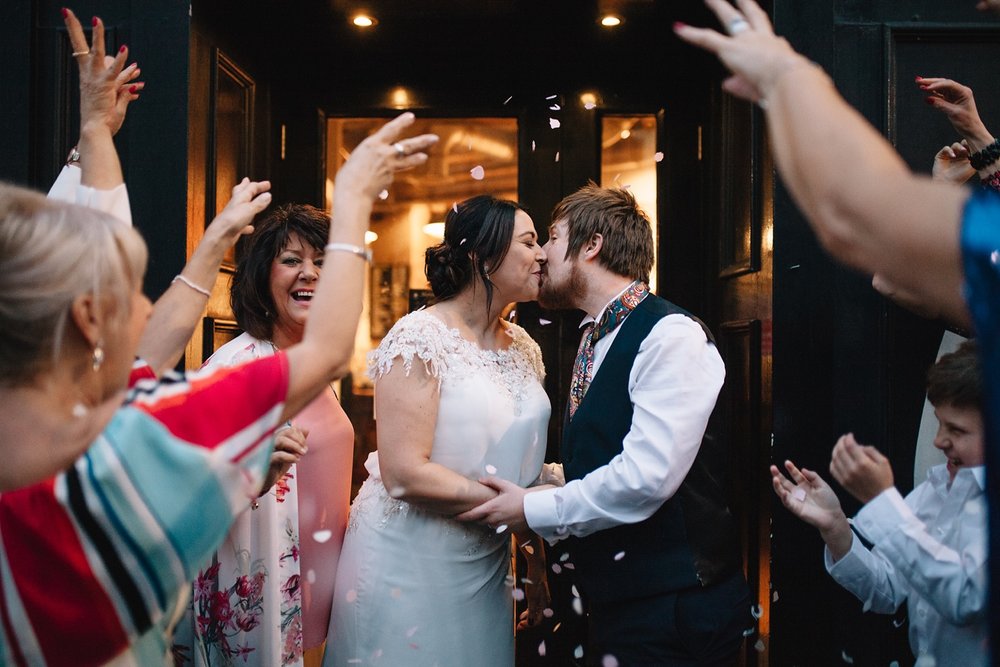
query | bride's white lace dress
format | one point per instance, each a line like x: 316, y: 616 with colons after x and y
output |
x: 416, y: 588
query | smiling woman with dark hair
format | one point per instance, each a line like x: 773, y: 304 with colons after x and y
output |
x: 280, y: 558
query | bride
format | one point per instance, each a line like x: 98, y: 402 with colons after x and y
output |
x: 458, y: 396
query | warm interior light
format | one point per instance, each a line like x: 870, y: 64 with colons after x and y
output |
x: 399, y: 98
x: 370, y: 237
x: 363, y: 21
x: 435, y: 229
x: 610, y: 20
x: 625, y: 134
x: 589, y: 100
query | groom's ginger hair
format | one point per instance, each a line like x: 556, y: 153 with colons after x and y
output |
x: 627, y: 235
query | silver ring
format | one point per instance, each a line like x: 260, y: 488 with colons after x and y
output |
x: 81, y: 53
x: 400, y: 151
x: 737, y: 25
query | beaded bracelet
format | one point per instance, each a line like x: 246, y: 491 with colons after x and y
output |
x: 353, y: 249
x: 985, y: 157
x: 992, y: 181
x: 197, y: 288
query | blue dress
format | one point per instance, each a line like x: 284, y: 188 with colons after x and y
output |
x: 981, y: 262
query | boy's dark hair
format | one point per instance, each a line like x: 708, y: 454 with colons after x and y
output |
x: 956, y: 378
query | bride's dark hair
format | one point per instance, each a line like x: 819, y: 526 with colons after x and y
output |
x: 477, y: 235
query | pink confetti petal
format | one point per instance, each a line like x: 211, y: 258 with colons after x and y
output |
x: 609, y: 661
x: 557, y: 568
x: 799, y: 494
x: 619, y: 555
x: 569, y: 566
x: 491, y: 469
x: 759, y: 646
x: 396, y: 592
x: 532, y: 146
x: 322, y: 536
x: 478, y: 172
x: 548, y: 613
x: 554, y: 123
x: 454, y: 207
x: 658, y: 156
x: 383, y: 195
x: 517, y: 594
x: 541, y: 648
x: 543, y: 322
x: 352, y: 595
x: 590, y: 105
x: 557, y: 156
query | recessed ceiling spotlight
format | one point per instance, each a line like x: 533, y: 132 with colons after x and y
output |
x: 611, y: 20
x: 364, y: 20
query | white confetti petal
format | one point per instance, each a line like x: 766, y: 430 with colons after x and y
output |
x: 311, y: 576
x: 609, y: 661
x: 774, y: 598
x: 619, y: 555
x: 478, y: 172
x: 532, y: 146
x: 352, y: 595
x: 517, y: 594
x: 575, y: 592
x: 454, y: 207
x: 412, y: 631
x: 541, y: 648
x: 552, y: 97
x: 578, y: 652
x: 759, y: 646
x: 555, y: 107
x: 563, y: 558
x: 506, y: 101
x: 555, y: 629
x: 799, y: 494
x: 749, y: 631
x: 544, y: 322
x: 557, y: 156
x: 846, y: 658
x: 756, y: 611
x: 548, y: 613
x: 658, y: 156
x: 526, y: 581
x: 491, y: 469
x: 554, y: 123
x: 578, y: 606
x: 383, y: 195
x: 509, y: 580
x: 501, y: 528
x: 322, y: 536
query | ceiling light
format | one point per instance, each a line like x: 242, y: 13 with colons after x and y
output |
x: 625, y: 134
x: 611, y: 20
x: 364, y: 21
x: 434, y: 229
x: 589, y: 100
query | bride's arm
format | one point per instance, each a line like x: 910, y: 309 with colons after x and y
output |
x: 406, y: 407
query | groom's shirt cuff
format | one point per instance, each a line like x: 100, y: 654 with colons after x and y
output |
x: 541, y: 511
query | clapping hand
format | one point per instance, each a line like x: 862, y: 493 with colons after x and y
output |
x: 809, y: 497
x: 860, y: 469
x: 951, y: 164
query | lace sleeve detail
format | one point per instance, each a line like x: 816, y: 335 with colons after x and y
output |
x: 527, y: 346
x: 415, y: 335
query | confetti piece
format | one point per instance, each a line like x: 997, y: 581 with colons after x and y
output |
x: 454, y: 207
x: 354, y: 661
x: 548, y: 613
x: 528, y: 549
x: 491, y: 469
x: 555, y: 107
x: 478, y: 172
x: 508, y: 100
x: 509, y: 580
x: 898, y: 622
x: 575, y: 592
x: 578, y: 652
x: 383, y: 195
x: 756, y: 611
x: 311, y: 576
x: 578, y: 606
x: 377, y: 654
x: 555, y: 629
x: 322, y: 536
x: 352, y: 595
x: 461, y: 243
x: 590, y: 105
x: 846, y: 658
x: 554, y: 123
x: 517, y: 594
x: 544, y: 322
x: 658, y: 156
x: 412, y: 631
x: 799, y: 494
x: 563, y: 558
x: 759, y: 646
x: 774, y: 598
x: 748, y: 632
x: 526, y: 581
x: 512, y: 316
x: 557, y: 568
x: 627, y: 186
x: 415, y: 647
x: 396, y: 592
x: 619, y: 555
x: 541, y: 648
x: 569, y: 566
x: 532, y: 146
x: 552, y: 97
x: 501, y: 528
x: 557, y: 156
x: 609, y: 661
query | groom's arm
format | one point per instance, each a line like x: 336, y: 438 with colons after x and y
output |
x: 674, y: 383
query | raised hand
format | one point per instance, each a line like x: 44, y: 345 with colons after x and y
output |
x: 959, y: 105
x: 951, y: 164
x: 811, y: 499
x: 752, y: 52
x: 249, y: 198
x: 860, y: 469
x: 289, y: 447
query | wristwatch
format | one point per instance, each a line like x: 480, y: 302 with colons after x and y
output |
x: 73, y: 157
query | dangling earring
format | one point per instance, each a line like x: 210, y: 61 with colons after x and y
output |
x: 97, y: 357
x: 486, y: 270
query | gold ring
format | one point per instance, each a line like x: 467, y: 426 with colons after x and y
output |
x: 400, y: 151
x: 81, y: 53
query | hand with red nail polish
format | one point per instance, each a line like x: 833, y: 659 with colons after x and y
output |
x: 958, y: 104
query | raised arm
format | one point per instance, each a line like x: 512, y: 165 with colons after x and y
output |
x: 328, y: 341
x: 958, y: 104
x: 865, y: 206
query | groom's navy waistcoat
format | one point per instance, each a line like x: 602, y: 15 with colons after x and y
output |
x: 690, y: 540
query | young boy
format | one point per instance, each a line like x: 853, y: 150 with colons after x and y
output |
x: 929, y: 548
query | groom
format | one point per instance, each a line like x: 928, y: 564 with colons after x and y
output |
x: 650, y: 534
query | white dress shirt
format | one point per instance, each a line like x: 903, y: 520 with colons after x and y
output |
x: 673, y: 385
x: 68, y: 188
x: 930, y: 550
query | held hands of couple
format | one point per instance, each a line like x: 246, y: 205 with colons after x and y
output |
x: 506, y: 509
x: 106, y: 85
